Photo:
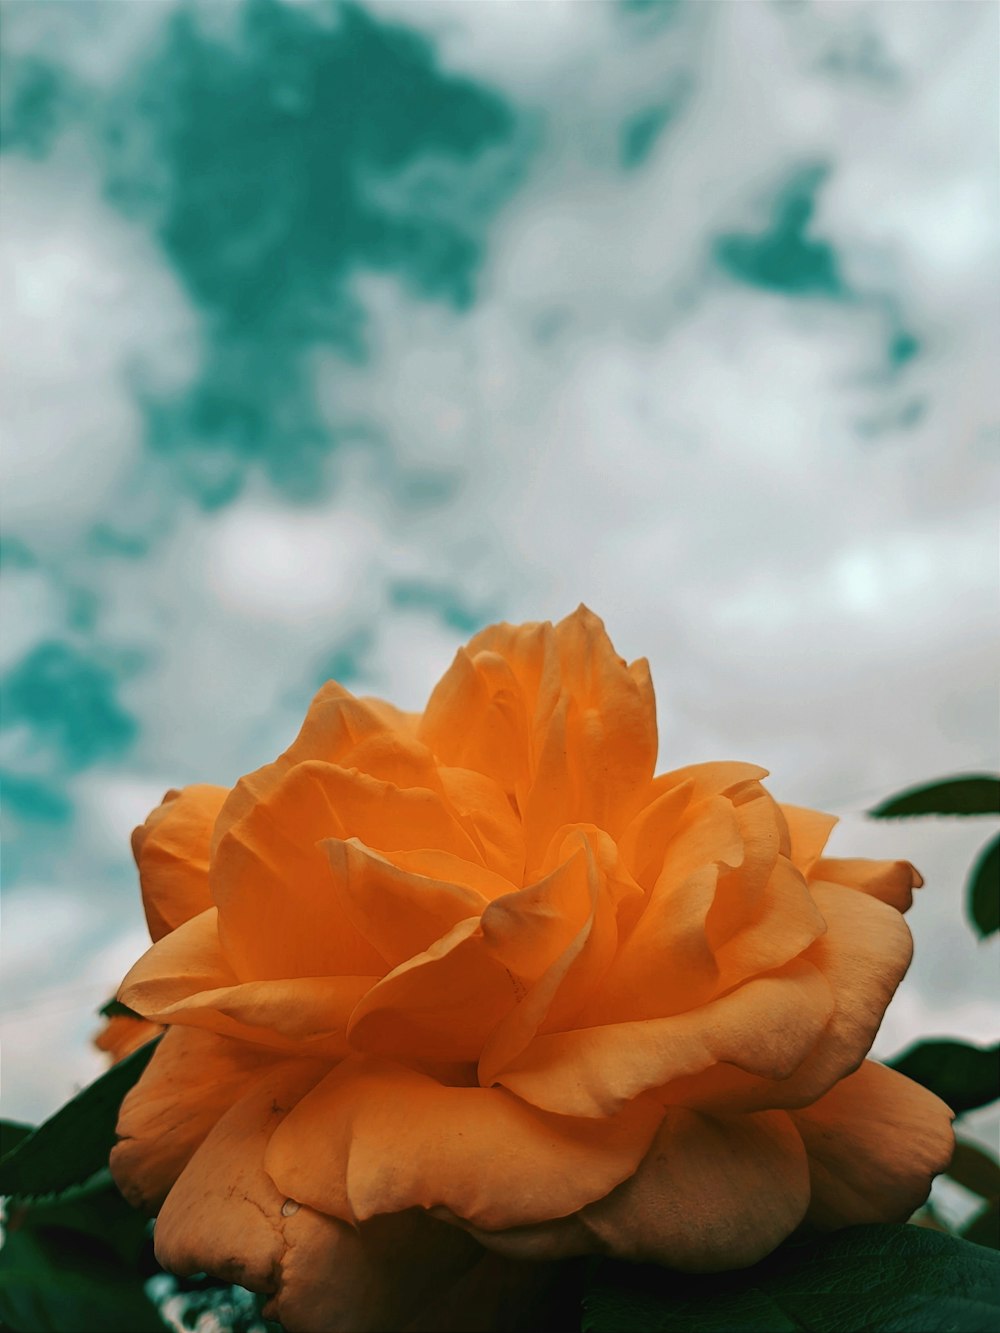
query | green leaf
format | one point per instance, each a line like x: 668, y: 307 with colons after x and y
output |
x: 963, y: 1076
x: 11, y: 1134
x: 883, y: 1279
x: 977, y: 794
x: 975, y: 1170
x: 115, y: 1009
x: 75, y: 1142
x: 984, y: 1229
x: 50, y: 1285
x: 78, y: 1263
x: 984, y: 890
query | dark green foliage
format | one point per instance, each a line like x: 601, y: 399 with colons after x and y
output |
x: 976, y: 794
x: 984, y: 1229
x: 74, y: 1143
x: 984, y: 890
x: 883, y: 1279
x: 77, y: 1264
x: 976, y: 1171
x: 964, y: 1076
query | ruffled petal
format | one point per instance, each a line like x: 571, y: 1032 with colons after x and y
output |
x: 488, y: 819
x: 278, y: 913
x: 766, y: 1027
x: 303, y: 1016
x: 875, y: 1142
x: 171, y: 850
x: 809, y: 831
x: 712, y: 1193
x: 398, y: 913
x: 477, y: 718
x: 863, y: 955
x: 192, y: 1079
x: 586, y: 945
x: 184, y: 963
x: 376, y: 1137
x: 334, y: 724
x: 440, y: 1005
x: 891, y: 882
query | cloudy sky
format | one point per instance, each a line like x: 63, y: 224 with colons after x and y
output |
x: 331, y: 333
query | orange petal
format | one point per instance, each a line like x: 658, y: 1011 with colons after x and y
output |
x: 809, y: 831
x: 786, y: 923
x: 440, y: 1005
x: 739, y: 898
x: 398, y: 913
x: 336, y: 722
x: 225, y: 1216
x: 185, y: 962
x: 765, y: 1027
x: 477, y: 718
x: 586, y: 944
x: 278, y: 913
x: 433, y: 864
x: 712, y: 1193
x: 376, y: 1137
x: 875, y: 1142
x: 644, y: 843
x: 486, y: 816
x: 171, y: 850
x: 602, y: 730
x: 666, y: 965
x: 863, y: 955
x: 122, y: 1034
x: 891, y: 882
x: 192, y: 1079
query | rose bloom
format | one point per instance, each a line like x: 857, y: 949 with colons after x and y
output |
x: 452, y: 991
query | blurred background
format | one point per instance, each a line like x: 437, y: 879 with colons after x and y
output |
x: 333, y: 332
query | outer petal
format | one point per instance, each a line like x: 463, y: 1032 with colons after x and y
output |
x: 376, y: 1137
x: 226, y: 1216
x: 809, y: 831
x: 184, y: 963
x: 875, y: 1142
x: 765, y: 1027
x: 712, y: 1193
x: 334, y: 725
x: 171, y: 850
x: 891, y: 882
x: 185, y: 979
x: 863, y: 956
x: 122, y: 1034
x: 192, y: 1079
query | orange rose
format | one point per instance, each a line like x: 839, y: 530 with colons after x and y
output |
x: 475, y: 981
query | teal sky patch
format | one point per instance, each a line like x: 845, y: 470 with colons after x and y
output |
x: 785, y: 258
x: 276, y: 160
x: 69, y: 700
x: 441, y: 600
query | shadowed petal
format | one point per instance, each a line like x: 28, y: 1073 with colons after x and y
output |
x: 712, y: 1193
x: 875, y: 1142
x: 191, y: 1081
x: 376, y: 1137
